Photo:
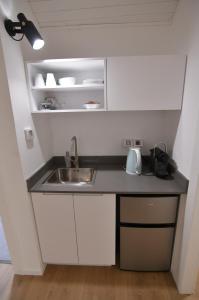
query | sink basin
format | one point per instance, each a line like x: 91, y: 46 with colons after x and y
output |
x: 72, y: 176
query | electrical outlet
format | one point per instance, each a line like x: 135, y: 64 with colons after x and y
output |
x: 138, y: 143
x: 128, y: 142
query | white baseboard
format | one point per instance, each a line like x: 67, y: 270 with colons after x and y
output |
x: 37, y: 272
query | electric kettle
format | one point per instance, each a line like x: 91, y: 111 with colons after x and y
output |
x: 134, y: 162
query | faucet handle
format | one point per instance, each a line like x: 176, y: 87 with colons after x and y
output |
x: 67, y: 159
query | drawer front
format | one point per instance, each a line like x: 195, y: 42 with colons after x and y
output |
x: 146, y: 210
x: 146, y: 249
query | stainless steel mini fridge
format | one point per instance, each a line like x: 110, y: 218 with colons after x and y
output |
x: 147, y: 229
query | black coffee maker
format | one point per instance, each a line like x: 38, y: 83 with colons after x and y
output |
x: 161, y: 164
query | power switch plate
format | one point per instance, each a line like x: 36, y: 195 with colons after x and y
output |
x: 128, y: 142
x: 138, y: 143
x: 28, y: 133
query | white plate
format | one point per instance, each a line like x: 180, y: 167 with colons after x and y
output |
x: 93, y: 81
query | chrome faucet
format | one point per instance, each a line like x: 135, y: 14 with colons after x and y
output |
x: 67, y: 160
x: 71, y: 158
x: 74, y: 159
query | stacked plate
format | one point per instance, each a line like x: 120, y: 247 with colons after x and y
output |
x: 91, y: 81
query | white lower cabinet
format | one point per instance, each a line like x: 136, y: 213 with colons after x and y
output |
x: 76, y: 229
x: 95, y: 225
x: 54, y: 214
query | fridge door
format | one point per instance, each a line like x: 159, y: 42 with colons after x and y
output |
x: 146, y: 210
x: 146, y: 249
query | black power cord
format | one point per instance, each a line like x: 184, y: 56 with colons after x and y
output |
x: 18, y: 40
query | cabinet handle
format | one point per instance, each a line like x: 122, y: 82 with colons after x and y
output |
x: 88, y: 194
x: 72, y: 194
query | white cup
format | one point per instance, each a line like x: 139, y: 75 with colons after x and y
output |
x: 39, y: 80
x: 50, y: 80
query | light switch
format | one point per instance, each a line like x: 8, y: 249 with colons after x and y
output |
x: 127, y: 143
x: 28, y: 134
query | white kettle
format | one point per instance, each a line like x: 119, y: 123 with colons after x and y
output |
x: 134, y: 162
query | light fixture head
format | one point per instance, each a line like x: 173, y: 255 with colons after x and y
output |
x: 27, y: 28
x: 38, y: 44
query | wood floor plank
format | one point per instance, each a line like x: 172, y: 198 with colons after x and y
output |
x: 89, y: 283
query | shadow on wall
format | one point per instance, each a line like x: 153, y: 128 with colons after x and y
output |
x: 171, y: 123
x: 43, y: 133
x: 4, y: 252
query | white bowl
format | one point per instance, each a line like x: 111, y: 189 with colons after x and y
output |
x: 67, y: 81
x: 91, y: 105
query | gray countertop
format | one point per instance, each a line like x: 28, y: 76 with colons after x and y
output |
x: 117, y: 181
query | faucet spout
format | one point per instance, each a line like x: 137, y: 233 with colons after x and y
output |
x: 67, y: 159
x: 74, y: 158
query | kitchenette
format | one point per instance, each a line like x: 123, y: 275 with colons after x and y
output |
x: 99, y: 163
x: 94, y: 211
x: 103, y: 210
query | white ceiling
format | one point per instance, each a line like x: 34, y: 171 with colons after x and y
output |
x: 55, y: 13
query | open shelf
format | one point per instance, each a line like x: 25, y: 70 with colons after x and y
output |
x: 77, y: 87
x: 68, y: 98
x: 66, y: 110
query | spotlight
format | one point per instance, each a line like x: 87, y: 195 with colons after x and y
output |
x: 25, y: 27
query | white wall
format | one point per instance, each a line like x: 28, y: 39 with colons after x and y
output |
x: 133, y: 40
x: 103, y: 41
x: 101, y: 133
x: 186, y: 151
x: 89, y: 42
x: 15, y: 204
x: 99, y: 42
x: 184, y: 143
x: 141, y: 40
x: 32, y: 157
x: 115, y: 40
x: 189, y: 263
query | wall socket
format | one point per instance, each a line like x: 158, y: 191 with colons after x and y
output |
x: 128, y: 142
x: 138, y: 143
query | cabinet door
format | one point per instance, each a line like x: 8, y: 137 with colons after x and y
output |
x: 146, y: 249
x: 145, y: 82
x: 95, y: 225
x: 54, y: 214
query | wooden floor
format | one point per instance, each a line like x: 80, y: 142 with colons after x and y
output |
x: 88, y: 283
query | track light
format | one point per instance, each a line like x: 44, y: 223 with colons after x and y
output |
x: 25, y: 27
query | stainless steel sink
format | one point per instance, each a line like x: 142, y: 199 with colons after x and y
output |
x: 74, y: 176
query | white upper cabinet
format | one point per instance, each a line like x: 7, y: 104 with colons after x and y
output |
x: 145, y: 82
x: 115, y: 84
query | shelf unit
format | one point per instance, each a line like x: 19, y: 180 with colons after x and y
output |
x: 50, y: 111
x: 76, y: 87
x: 68, y: 98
